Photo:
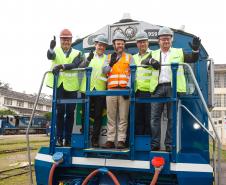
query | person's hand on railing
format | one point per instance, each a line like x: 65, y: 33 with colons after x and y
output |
x: 151, y: 62
x: 155, y: 64
x: 57, y: 69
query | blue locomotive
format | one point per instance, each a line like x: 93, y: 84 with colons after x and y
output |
x: 18, y: 124
x: 190, y: 161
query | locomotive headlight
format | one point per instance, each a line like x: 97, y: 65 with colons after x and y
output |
x: 196, y: 126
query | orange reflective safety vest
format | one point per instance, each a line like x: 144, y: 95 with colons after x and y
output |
x: 120, y: 72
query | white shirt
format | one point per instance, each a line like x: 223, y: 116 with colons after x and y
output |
x: 165, y: 73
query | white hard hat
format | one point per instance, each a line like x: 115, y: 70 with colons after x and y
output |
x: 101, y: 38
x: 141, y: 36
x: 165, y: 31
x: 118, y: 36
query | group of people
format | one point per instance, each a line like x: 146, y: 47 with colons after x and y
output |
x: 112, y: 72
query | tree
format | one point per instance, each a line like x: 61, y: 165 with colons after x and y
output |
x: 5, y: 85
x: 48, y: 116
x: 5, y: 112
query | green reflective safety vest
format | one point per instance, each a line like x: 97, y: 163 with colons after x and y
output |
x: 98, y: 79
x: 143, y: 75
x: 68, y: 78
x: 176, y: 56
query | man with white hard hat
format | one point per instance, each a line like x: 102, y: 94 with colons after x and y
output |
x: 161, y: 80
x: 98, y: 82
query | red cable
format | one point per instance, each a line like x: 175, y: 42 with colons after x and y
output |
x: 155, y: 178
x: 89, y: 177
x: 50, y: 181
x: 115, y: 180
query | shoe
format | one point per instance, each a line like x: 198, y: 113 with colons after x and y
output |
x: 121, y: 145
x: 109, y: 144
x: 81, y: 130
x: 168, y: 148
x: 67, y: 143
x: 155, y: 148
x: 59, y: 142
x: 95, y: 142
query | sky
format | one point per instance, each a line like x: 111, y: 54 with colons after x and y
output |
x: 27, y: 26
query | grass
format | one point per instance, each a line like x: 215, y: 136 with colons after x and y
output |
x: 11, y: 160
x: 5, y: 140
x: 223, y: 155
x: 13, y: 146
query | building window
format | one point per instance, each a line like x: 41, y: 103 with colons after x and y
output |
x: 30, y: 105
x: 8, y: 101
x: 48, y: 108
x: 224, y: 100
x: 20, y: 103
x: 217, y: 80
x: 216, y: 114
x: 220, y: 121
x: 224, y: 79
x: 217, y: 100
x: 40, y: 107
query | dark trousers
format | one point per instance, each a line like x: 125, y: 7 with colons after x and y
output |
x: 162, y: 90
x: 65, y: 114
x: 97, y: 105
x: 142, y: 115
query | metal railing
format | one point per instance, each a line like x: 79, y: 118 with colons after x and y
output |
x: 28, y: 128
x: 52, y: 138
x: 216, y: 138
x: 131, y: 92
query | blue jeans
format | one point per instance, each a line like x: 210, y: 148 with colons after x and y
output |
x: 162, y: 90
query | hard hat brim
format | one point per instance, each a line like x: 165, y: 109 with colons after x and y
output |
x: 118, y: 39
x: 141, y: 39
x: 101, y: 42
x: 65, y: 36
x: 165, y: 35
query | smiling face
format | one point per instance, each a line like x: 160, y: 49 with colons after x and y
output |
x: 119, y: 46
x: 165, y: 42
x: 65, y: 43
x: 100, y: 48
x: 142, y: 45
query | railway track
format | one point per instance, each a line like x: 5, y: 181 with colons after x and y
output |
x: 21, y: 148
x: 24, y: 142
x: 4, y: 174
x: 13, y: 131
x: 16, y: 150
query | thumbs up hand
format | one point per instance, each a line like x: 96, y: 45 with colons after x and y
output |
x: 53, y: 43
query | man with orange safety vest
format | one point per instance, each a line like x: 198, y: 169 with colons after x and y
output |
x: 117, y: 68
x: 64, y: 58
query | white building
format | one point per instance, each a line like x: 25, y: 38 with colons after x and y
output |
x: 219, y: 111
x: 22, y: 103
